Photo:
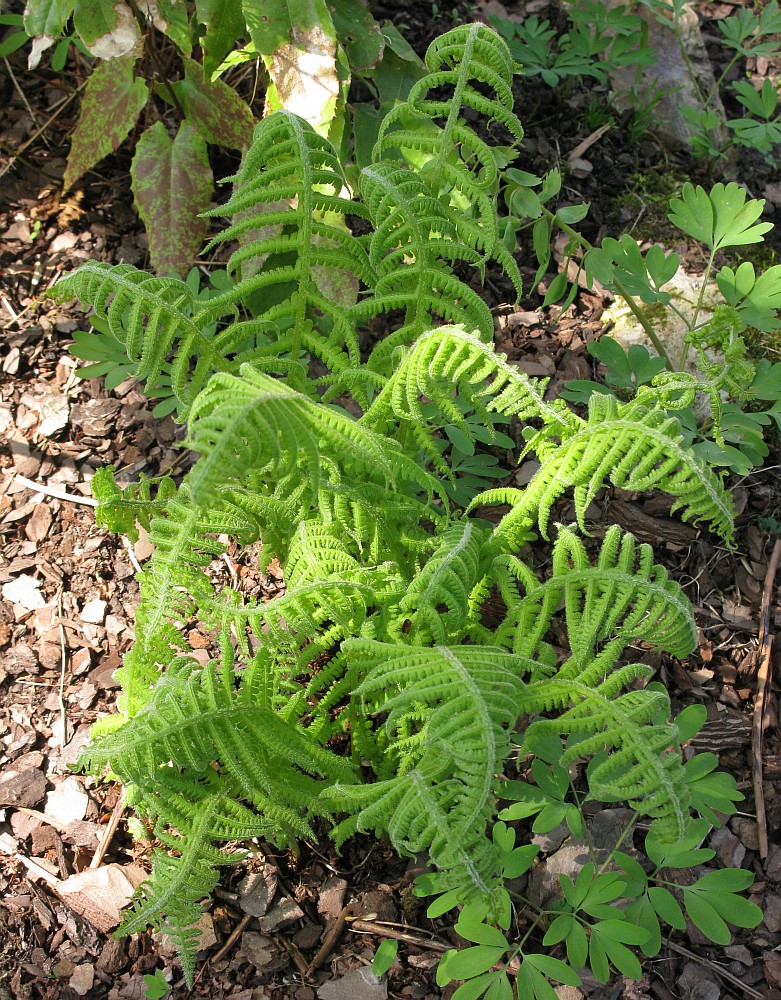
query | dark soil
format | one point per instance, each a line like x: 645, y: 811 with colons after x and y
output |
x: 64, y: 634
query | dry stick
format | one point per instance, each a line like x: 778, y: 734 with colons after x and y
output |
x: 52, y: 491
x: 588, y: 142
x: 295, y: 954
x: 19, y: 90
x: 234, y: 937
x: 763, y: 674
x: 108, y: 833
x: 334, y: 933
x: 389, y: 931
x: 63, y: 667
x: 714, y: 968
x: 43, y: 128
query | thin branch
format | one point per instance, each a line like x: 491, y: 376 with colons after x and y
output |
x: 52, y: 491
x: 715, y: 968
x: 108, y: 833
x: 763, y: 674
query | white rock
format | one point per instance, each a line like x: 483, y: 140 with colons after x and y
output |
x: 82, y: 978
x: 26, y: 591
x: 68, y: 802
x: 94, y: 611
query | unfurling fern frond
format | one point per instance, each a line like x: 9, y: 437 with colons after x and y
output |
x: 288, y: 212
x: 256, y: 424
x: 622, y: 598
x: 449, y: 358
x: 627, y: 444
x: 466, y: 62
x: 449, y: 711
x: 436, y: 607
x: 413, y: 244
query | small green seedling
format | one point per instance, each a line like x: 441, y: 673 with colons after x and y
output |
x: 156, y: 986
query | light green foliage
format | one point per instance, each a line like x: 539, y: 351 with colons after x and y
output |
x: 752, y: 32
x: 719, y: 218
x: 380, y: 647
x: 156, y: 986
x: 601, y: 39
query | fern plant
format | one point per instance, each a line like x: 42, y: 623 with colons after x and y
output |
x: 379, y: 654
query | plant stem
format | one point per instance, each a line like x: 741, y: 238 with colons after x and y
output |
x: 636, y: 309
x: 142, y: 23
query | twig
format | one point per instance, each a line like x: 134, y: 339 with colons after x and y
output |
x: 715, y: 968
x: 763, y: 673
x: 37, y: 870
x: 19, y: 90
x: 388, y: 931
x: 43, y: 128
x: 295, y: 954
x: 52, y: 491
x: 63, y: 667
x: 588, y: 142
x: 235, y: 934
x: 334, y: 933
x: 108, y: 833
x: 131, y: 554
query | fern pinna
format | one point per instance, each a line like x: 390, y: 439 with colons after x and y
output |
x: 379, y: 652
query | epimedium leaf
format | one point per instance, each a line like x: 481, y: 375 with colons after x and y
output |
x: 112, y: 102
x: 224, y: 24
x: 359, y: 33
x: 174, y: 22
x: 46, y: 17
x: 215, y: 109
x: 172, y: 184
x: 297, y: 40
x: 107, y: 30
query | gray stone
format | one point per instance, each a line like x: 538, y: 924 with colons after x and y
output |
x: 669, y: 76
x: 357, y: 984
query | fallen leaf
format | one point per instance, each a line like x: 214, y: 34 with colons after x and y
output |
x: 99, y: 894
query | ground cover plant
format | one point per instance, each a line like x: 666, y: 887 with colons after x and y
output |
x: 377, y: 694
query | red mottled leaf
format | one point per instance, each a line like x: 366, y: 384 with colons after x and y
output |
x: 172, y: 183
x: 110, y: 107
x: 215, y: 109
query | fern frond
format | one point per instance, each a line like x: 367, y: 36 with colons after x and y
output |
x: 155, y: 318
x: 449, y: 358
x: 444, y: 792
x: 465, y: 56
x: 286, y: 206
x: 633, y: 447
x: 122, y: 510
x: 256, y: 424
x: 436, y: 606
x: 622, y: 598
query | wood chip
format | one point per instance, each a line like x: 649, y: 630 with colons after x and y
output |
x: 99, y: 894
